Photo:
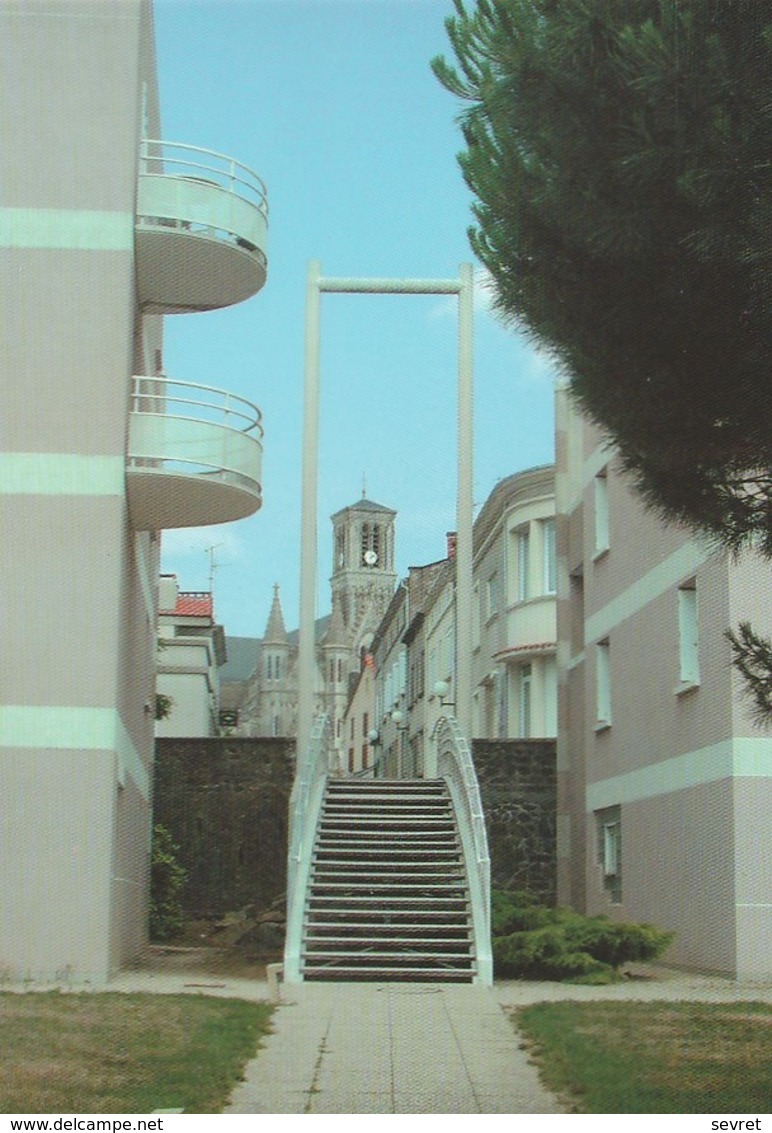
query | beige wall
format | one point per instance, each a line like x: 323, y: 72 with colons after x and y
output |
x: 681, y: 760
x: 79, y: 607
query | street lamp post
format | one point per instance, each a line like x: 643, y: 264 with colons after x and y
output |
x: 316, y: 285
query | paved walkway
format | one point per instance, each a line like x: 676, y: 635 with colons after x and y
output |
x: 391, y: 1048
x: 352, y: 1048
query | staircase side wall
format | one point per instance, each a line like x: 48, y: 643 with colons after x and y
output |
x: 517, y: 781
x: 225, y: 801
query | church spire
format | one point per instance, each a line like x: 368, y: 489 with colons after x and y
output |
x: 275, y: 631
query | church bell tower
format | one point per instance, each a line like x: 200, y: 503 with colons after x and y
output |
x: 363, y: 575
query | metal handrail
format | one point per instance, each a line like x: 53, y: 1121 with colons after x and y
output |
x: 145, y: 390
x: 456, y: 766
x: 313, y: 768
x: 225, y: 171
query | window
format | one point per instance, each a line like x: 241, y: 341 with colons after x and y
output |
x: 601, y: 513
x: 523, y: 563
x: 365, y: 724
x: 449, y: 666
x: 603, y: 684
x: 688, y: 637
x: 492, y: 596
x: 609, y: 843
x: 524, y: 705
x: 477, y: 617
x: 550, y: 574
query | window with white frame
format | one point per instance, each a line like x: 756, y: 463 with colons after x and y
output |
x: 609, y: 850
x: 525, y: 702
x: 523, y: 564
x: 478, y: 617
x: 449, y: 666
x: 492, y: 596
x: 688, y: 634
x: 550, y: 572
x: 603, y: 683
x: 601, y: 513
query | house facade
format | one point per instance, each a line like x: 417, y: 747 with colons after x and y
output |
x: 104, y: 230
x: 513, y: 644
x: 191, y: 651
x: 665, y: 785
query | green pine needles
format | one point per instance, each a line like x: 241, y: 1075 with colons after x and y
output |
x: 619, y: 155
x: 618, y: 151
x: 538, y: 943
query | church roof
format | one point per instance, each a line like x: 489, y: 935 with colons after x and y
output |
x: 275, y: 631
x: 336, y: 631
x: 366, y: 505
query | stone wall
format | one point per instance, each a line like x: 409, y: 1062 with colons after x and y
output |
x: 518, y: 789
x: 226, y: 803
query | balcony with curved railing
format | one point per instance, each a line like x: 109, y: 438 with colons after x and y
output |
x: 201, y: 232
x: 194, y: 455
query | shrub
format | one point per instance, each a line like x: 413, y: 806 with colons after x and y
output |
x: 534, y: 942
x: 167, y: 879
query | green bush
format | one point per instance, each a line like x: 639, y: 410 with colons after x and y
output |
x: 167, y: 880
x: 534, y: 942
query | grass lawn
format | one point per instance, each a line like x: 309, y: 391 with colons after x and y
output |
x: 112, y: 1053
x: 654, y: 1057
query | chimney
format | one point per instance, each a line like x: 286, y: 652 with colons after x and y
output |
x: 450, y: 537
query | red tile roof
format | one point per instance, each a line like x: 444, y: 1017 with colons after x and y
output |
x: 193, y: 604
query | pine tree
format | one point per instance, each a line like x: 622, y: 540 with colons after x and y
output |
x: 618, y: 152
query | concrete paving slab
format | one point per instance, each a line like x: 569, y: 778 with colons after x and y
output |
x: 391, y: 1048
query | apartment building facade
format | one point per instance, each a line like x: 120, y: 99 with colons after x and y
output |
x: 104, y: 230
x: 665, y: 785
x: 191, y: 651
x: 513, y: 633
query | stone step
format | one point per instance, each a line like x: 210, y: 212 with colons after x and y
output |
x: 408, y: 955
x: 442, y: 944
x: 376, y: 786
x: 386, y: 974
x: 389, y: 813
x: 409, y: 876
x: 399, y: 845
x: 396, y: 859
x: 435, y: 901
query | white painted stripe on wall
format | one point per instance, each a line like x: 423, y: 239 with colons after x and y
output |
x: 65, y: 728
x: 74, y: 229
x: 651, y: 585
x: 61, y: 474
x: 730, y: 759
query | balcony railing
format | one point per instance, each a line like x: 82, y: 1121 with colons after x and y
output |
x: 201, y: 229
x: 195, y: 455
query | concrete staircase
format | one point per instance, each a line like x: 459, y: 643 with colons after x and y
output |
x: 387, y: 896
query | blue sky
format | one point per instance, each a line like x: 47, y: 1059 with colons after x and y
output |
x: 333, y: 104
